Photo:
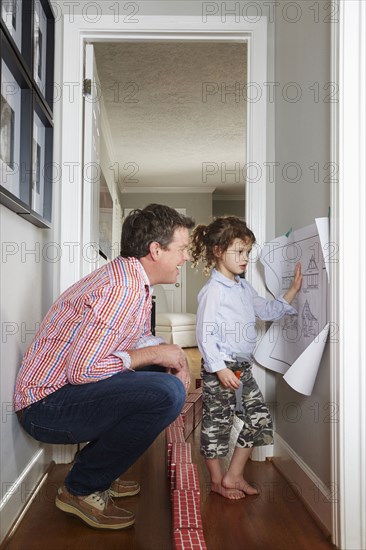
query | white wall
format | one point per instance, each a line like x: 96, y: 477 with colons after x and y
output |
x: 303, y: 139
x: 30, y: 266
x: 27, y: 265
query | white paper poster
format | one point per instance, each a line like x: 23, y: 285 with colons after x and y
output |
x: 294, y: 345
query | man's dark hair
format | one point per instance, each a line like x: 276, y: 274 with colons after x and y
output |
x: 154, y: 223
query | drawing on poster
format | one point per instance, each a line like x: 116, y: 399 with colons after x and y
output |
x: 309, y: 325
x: 311, y: 275
x: 283, y: 345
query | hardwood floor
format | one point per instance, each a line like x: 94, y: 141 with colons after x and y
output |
x: 273, y: 520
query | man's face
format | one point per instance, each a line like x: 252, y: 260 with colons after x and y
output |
x: 174, y: 256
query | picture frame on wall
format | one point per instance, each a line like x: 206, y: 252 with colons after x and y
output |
x: 40, y: 40
x: 10, y: 129
x: 12, y: 15
x: 27, y: 33
x: 38, y: 172
x: 7, y: 133
x: 42, y: 166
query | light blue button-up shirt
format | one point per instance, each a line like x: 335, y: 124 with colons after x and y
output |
x: 226, y: 319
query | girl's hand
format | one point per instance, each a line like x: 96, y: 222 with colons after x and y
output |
x: 228, y: 379
x: 296, y: 284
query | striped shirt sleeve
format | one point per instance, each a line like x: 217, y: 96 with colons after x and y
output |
x: 109, y: 319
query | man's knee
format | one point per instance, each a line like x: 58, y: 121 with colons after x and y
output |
x: 176, y: 394
x: 177, y: 391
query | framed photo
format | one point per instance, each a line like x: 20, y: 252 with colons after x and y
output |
x: 26, y: 101
x: 42, y: 166
x: 10, y: 130
x: 38, y: 172
x: 7, y: 133
x: 11, y: 14
x: 40, y: 40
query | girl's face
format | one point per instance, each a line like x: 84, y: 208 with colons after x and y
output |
x: 234, y: 260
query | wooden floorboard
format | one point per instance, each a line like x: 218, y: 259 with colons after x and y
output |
x: 46, y: 527
x: 273, y: 520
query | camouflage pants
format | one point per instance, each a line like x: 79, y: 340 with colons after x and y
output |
x: 218, y: 415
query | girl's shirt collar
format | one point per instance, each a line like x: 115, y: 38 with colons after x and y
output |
x: 217, y: 276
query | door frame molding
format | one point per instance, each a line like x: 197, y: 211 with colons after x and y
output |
x: 188, y: 28
x: 348, y: 298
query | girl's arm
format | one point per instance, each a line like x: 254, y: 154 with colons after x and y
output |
x: 271, y: 310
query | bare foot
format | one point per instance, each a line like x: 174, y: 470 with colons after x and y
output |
x: 238, y: 484
x: 232, y: 494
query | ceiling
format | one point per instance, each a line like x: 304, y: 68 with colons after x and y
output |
x: 177, y: 113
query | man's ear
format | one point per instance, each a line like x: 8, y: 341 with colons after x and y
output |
x: 155, y: 250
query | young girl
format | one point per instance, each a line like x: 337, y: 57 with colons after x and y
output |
x: 226, y: 336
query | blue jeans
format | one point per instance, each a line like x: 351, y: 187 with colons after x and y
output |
x: 119, y: 416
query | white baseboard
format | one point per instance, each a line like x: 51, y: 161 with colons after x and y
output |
x: 18, y: 494
x: 316, y: 496
x: 260, y: 454
x: 64, y: 454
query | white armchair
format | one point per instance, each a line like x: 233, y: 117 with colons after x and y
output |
x: 175, y: 328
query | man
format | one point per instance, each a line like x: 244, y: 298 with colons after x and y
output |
x: 95, y: 373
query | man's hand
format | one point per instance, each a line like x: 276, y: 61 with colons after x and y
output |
x: 184, y: 376
x: 169, y: 356
x: 228, y: 379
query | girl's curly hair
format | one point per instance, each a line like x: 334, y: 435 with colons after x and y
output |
x: 219, y: 234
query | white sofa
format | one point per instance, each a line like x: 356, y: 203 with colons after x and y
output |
x: 175, y: 328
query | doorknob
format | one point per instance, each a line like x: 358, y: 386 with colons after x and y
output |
x: 177, y: 285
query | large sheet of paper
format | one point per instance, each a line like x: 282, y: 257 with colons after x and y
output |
x: 294, y: 345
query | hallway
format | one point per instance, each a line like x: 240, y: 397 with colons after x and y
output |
x: 305, y: 146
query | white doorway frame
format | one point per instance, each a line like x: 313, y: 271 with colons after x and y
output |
x: 185, y: 28
x: 348, y: 296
